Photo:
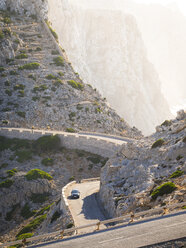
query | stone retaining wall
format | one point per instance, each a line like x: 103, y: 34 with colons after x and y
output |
x: 94, y: 145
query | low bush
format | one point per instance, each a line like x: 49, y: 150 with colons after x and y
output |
x: 72, y: 114
x: 7, y: 83
x: 21, y: 114
x: 75, y: 85
x: 2, y: 69
x: 52, y: 31
x: 6, y: 109
x: 22, y: 56
x: 47, y: 161
x: 72, y: 178
x: 25, y: 236
x: 44, y: 210
x: 55, y: 216
x: 4, y: 165
x: 38, y: 49
x: 23, y: 156
x: 166, y: 123
x: 165, y: 188
x: 9, y: 215
x: 35, y: 98
x: 13, y: 73
x: 158, y: 143
x: 47, y: 143
x: 32, y: 76
x: 184, y: 139
x: 29, y: 66
x: 39, y: 198
x: 12, y: 172
x: 39, y: 88
x: 70, y: 130
x: 6, y: 184
x: 95, y: 160
x: 54, y: 52
x: 37, y: 173
x: 69, y: 225
x: 177, y: 173
x: 1, y: 35
x: 60, y: 73
x: 32, y: 225
x: 8, y: 92
x: 58, y: 61
x: 58, y: 82
x: 51, y: 76
x: 7, y: 20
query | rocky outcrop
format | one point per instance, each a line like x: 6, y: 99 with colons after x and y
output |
x: 34, y: 7
x: 127, y: 180
x: 106, y: 48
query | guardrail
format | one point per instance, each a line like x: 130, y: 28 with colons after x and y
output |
x: 130, y: 218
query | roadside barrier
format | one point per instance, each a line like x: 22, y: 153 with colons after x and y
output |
x: 126, y: 218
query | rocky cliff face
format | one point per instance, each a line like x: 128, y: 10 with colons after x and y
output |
x: 128, y: 180
x: 47, y: 94
x: 106, y: 48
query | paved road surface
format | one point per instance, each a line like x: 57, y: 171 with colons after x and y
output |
x: 85, y: 210
x: 136, y: 235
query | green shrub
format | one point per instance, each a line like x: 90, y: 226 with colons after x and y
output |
x: 76, y: 85
x: 6, y: 184
x: 12, y: 172
x: 31, y: 76
x: 37, y: 173
x: 39, y: 198
x: 179, y: 157
x: 55, y: 216
x: 40, y: 88
x: 32, y: 225
x: 2, y: 69
x: 22, y: 56
x: 54, y: 52
x: 6, y: 109
x: 13, y: 73
x: 21, y: 114
x: 38, y: 49
x: 47, y: 143
x: 95, y: 160
x: 165, y: 188
x: 60, y: 73
x: 51, y: 76
x: 26, y: 212
x: 69, y: 225
x: 184, y: 207
x: 72, y: 114
x: 29, y: 66
x: 70, y: 130
x: 7, y: 83
x: 98, y: 111
x: 23, y: 156
x: 8, y: 92
x: 184, y: 139
x: 47, y: 161
x: 19, y: 87
x: 4, y: 165
x: 72, y: 178
x: 7, y: 20
x: 5, y: 122
x: 79, y: 107
x: 35, y: 98
x: 1, y: 35
x: 25, y: 236
x: 58, y: 61
x: 44, y: 210
x: 4, y: 143
x: 166, y: 123
x: 9, y: 60
x: 58, y: 82
x: 177, y: 173
x: 52, y: 31
x: 158, y: 143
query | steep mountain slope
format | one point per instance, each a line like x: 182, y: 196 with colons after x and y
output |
x: 106, y: 48
x: 147, y: 173
x: 47, y: 93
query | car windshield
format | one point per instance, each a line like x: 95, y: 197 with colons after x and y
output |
x: 74, y: 191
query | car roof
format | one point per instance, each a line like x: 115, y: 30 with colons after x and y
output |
x: 75, y: 191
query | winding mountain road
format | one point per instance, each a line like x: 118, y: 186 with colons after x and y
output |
x: 85, y: 210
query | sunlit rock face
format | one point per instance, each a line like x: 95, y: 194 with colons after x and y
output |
x: 107, y: 50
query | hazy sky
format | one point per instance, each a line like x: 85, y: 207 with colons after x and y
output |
x: 180, y: 3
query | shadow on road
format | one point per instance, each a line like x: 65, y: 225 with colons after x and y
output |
x: 90, y: 208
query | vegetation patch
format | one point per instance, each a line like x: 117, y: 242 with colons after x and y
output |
x: 23, y: 156
x: 158, y: 143
x: 47, y: 143
x: 166, y: 123
x: 69, y: 225
x: 95, y: 160
x: 37, y: 173
x: 165, y: 188
x: 40, y: 88
x: 21, y: 114
x: 177, y: 173
x: 39, y: 198
x: 70, y: 130
x: 47, y: 161
x: 12, y: 172
x: 13, y: 73
x: 44, y: 210
x: 6, y: 184
x: 58, y: 82
x: 32, y: 76
x: 51, y: 76
x: 2, y: 69
x: 38, y: 49
x: 32, y: 225
x: 54, y: 52
x: 29, y: 66
x: 25, y: 236
x: 60, y: 73
x: 75, y: 85
x: 184, y: 139
x: 19, y: 87
x: 8, y: 92
x: 52, y: 31
x: 9, y: 215
x: 55, y: 216
x: 22, y: 56
x: 58, y: 61
x: 4, y: 165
